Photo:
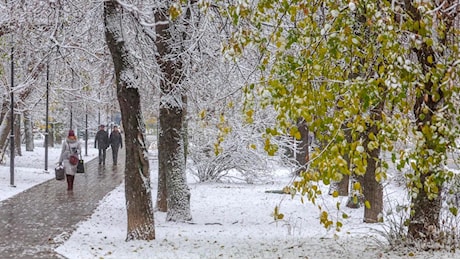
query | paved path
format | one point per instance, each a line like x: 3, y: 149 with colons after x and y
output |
x: 31, y: 220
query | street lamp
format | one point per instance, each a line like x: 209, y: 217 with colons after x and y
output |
x: 12, y: 121
x: 71, y: 116
x: 86, y: 130
x: 47, y: 115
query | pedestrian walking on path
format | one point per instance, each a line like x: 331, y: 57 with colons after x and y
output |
x: 70, y: 154
x: 115, y: 142
x: 36, y: 221
x: 101, y: 142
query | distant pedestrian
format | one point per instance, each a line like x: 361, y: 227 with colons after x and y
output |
x: 70, y: 154
x: 116, y: 142
x: 101, y: 142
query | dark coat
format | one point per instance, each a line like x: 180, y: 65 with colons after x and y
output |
x: 115, y: 139
x: 102, y: 140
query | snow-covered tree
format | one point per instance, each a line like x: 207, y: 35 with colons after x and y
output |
x: 137, y: 175
x: 172, y: 41
x: 356, y: 72
x: 66, y: 38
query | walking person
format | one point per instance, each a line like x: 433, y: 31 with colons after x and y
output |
x: 101, y: 142
x: 70, y: 154
x: 115, y: 142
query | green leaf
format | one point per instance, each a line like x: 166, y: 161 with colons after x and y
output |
x: 454, y: 211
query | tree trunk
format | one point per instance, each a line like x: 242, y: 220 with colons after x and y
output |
x: 172, y: 162
x: 4, y: 107
x: 426, y: 208
x: 17, y: 134
x: 425, y: 211
x: 343, y: 186
x: 373, y: 189
x: 5, y: 128
x: 302, y: 155
x: 28, y: 131
x: 52, y: 139
x: 171, y: 147
x: 162, y: 193
x: 185, y: 128
x: 5, y: 125
x: 137, y: 175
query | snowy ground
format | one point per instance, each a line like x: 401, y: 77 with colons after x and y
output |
x: 230, y: 220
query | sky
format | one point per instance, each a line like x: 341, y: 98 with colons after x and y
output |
x: 230, y: 220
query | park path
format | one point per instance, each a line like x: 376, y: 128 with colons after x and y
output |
x: 31, y: 220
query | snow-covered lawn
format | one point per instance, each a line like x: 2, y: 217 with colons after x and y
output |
x: 230, y: 220
x: 234, y: 221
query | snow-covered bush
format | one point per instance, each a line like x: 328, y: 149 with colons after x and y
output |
x: 236, y: 156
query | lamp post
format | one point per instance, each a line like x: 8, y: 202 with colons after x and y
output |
x: 12, y: 121
x: 47, y: 115
x: 99, y: 110
x: 71, y: 112
x: 86, y: 130
x: 71, y: 116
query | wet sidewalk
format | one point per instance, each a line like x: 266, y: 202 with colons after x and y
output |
x: 31, y: 220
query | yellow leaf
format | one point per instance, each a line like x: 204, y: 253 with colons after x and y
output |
x: 335, y: 194
x: 202, y: 114
x: 367, y: 204
x: 249, y: 113
x: 295, y: 132
x: 357, y: 186
x: 297, y: 136
x: 429, y: 59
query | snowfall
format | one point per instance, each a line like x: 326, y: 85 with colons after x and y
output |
x: 230, y: 220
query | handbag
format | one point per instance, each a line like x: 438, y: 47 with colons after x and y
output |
x: 81, y: 166
x: 59, y: 171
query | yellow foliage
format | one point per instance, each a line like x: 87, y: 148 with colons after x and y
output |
x: 335, y: 194
x: 202, y: 114
x: 174, y: 11
x: 357, y: 186
x: 367, y: 204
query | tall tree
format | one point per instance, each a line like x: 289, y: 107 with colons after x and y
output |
x: 137, y: 176
x: 60, y: 32
x: 310, y: 51
x: 171, y: 36
x: 434, y: 36
x: 317, y: 54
